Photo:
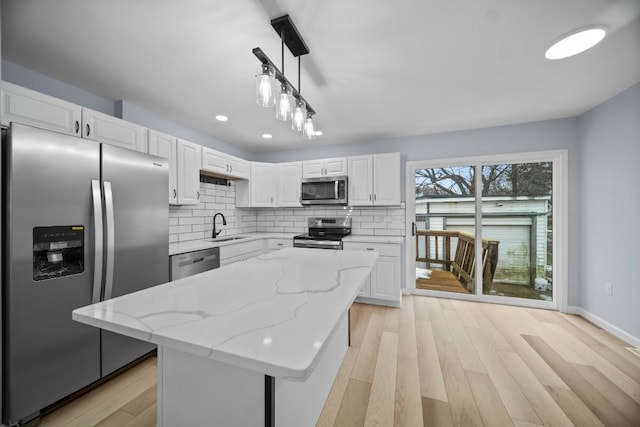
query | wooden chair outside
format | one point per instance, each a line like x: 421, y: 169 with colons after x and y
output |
x: 457, y: 274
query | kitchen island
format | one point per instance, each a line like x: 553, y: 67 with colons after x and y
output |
x: 254, y: 343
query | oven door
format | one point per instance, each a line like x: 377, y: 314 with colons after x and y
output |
x: 324, y: 191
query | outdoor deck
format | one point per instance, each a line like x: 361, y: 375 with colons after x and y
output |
x: 457, y: 274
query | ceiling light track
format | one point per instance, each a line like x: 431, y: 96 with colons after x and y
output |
x: 302, y: 114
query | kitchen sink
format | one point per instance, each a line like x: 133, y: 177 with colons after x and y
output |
x: 227, y: 239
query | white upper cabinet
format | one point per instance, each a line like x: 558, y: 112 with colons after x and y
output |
x: 324, y: 167
x: 259, y: 190
x: 164, y: 145
x: 112, y: 130
x: 224, y: 165
x: 32, y: 108
x: 374, y: 180
x: 238, y: 168
x: 188, y: 172
x: 360, y: 181
x: 386, y: 179
x: 288, y: 176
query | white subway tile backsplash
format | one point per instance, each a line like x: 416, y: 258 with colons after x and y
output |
x: 196, y: 222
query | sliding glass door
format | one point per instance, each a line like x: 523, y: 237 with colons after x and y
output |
x: 485, y: 228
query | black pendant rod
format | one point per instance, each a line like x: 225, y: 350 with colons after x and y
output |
x: 299, y: 90
x: 280, y: 77
x: 282, y: 49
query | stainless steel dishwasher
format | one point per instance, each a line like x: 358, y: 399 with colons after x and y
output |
x: 195, y: 262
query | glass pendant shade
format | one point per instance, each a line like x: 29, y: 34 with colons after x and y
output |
x: 299, y: 115
x: 284, y: 104
x: 309, y: 129
x: 266, y: 86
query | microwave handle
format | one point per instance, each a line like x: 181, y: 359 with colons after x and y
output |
x: 335, y: 189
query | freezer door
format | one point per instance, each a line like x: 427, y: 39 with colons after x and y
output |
x: 47, y: 356
x: 137, y: 237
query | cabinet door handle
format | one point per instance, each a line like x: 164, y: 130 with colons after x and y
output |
x: 375, y: 196
x: 88, y: 129
x: 198, y: 195
x: 230, y: 168
x: 77, y: 126
x: 175, y: 193
x: 370, y: 249
x: 414, y: 229
x: 226, y: 167
x: 370, y: 198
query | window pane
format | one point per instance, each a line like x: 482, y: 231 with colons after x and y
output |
x: 517, y: 230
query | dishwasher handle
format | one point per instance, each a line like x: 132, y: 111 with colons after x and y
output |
x: 188, y: 264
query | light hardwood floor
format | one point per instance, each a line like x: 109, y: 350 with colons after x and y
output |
x: 440, y: 362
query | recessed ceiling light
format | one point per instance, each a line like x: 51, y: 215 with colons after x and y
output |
x: 318, y: 133
x: 267, y: 136
x: 575, y: 42
x: 222, y: 118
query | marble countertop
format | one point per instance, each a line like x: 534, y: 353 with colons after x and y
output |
x: 269, y: 314
x: 359, y: 238
x: 196, y: 245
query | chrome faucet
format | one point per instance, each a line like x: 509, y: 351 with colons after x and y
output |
x: 224, y: 222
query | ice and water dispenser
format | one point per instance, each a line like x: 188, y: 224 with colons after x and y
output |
x: 57, y: 251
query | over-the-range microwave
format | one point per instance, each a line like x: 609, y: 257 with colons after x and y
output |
x: 325, y: 190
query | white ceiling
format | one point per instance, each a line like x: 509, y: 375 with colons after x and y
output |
x: 377, y: 68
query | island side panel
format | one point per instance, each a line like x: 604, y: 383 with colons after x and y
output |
x: 194, y: 391
x: 299, y: 403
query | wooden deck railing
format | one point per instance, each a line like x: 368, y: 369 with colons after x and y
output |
x: 435, y: 248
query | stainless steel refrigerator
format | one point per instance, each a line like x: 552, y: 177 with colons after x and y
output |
x: 83, y: 222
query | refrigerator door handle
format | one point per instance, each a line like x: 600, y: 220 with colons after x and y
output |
x: 108, y: 203
x: 97, y: 225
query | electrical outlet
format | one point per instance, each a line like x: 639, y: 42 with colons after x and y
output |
x: 609, y: 287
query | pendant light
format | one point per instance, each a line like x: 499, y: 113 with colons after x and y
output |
x: 266, y: 86
x: 299, y: 116
x: 290, y: 105
x: 284, y: 110
x: 309, y: 129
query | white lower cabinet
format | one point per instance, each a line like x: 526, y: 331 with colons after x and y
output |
x: 383, y: 286
x: 240, y: 251
x: 275, y: 244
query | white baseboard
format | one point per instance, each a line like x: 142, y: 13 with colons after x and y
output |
x: 623, y: 335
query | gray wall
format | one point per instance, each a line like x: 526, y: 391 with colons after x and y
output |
x: 609, y: 210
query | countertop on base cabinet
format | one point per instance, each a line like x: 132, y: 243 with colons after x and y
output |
x: 262, y: 339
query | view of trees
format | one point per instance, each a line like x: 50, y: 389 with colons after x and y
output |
x: 524, y: 179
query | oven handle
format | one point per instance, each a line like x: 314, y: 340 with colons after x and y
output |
x: 317, y: 245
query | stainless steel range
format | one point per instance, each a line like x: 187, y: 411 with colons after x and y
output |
x: 324, y: 233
